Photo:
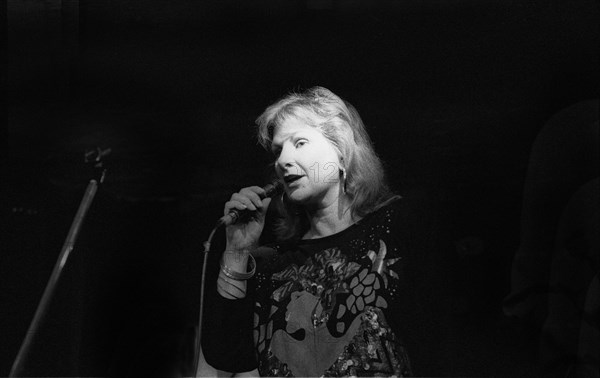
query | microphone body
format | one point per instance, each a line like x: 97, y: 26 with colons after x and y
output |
x: 271, y: 189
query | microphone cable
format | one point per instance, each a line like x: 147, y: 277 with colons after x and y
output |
x: 206, y: 244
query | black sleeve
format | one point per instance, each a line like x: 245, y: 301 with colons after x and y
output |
x: 227, y: 333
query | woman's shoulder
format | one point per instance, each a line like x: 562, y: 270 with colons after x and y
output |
x: 389, y: 210
x: 393, y: 203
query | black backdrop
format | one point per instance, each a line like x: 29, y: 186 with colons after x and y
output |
x: 453, y: 93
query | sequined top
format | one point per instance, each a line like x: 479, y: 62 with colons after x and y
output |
x: 332, y: 306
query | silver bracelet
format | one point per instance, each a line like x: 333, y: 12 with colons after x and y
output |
x: 239, y: 275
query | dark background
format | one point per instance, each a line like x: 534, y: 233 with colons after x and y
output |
x: 453, y: 93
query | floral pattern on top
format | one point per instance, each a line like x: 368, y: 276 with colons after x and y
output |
x: 323, y: 276
x: 372, y: 352
x: 325, y: 318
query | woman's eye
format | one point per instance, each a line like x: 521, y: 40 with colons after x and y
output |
x: 300, y: 143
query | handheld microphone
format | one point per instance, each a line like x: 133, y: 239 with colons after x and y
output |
x: 271, y: 189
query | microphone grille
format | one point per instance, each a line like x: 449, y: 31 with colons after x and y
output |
x: 273, y: 188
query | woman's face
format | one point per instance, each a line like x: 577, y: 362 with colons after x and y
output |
x: 307, y: 163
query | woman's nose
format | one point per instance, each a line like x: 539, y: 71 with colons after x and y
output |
x: 285, y: 158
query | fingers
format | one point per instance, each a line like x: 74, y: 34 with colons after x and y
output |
x: 248, y: 198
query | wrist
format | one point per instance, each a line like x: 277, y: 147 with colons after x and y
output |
x: 236, y: 258
x: 238, y: 265
x: 241, y: 246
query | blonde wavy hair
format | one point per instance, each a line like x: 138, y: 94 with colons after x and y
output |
x: 366, y: 185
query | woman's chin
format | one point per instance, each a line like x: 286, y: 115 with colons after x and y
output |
x: 297, y: 196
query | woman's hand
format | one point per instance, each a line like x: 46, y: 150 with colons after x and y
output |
x: 242, y: 238
x: 244, y: 234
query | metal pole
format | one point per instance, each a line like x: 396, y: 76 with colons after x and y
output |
x: 90, y: 192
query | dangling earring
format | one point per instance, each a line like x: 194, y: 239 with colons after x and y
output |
x: 343, y: 170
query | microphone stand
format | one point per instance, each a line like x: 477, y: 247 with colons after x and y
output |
x: 94, y: 157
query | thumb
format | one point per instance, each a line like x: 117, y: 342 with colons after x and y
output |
x: 265, y: 205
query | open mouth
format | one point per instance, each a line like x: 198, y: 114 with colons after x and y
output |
x: 292, y: 178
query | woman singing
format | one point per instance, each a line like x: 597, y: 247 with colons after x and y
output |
x: 333, y: 296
